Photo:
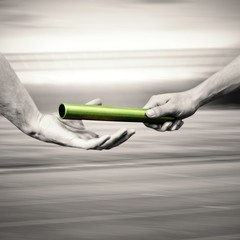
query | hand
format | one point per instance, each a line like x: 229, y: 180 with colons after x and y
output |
x: 179, y: 105
x: 72, y: 133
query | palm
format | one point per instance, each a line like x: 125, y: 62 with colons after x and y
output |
x: 73, y: 133
x: 64, y: 131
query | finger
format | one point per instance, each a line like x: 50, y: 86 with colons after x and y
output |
x: 180, y: 125
x: 176, y: 125
x: 129, y: 134
x: 115, y: 137
x: 96, y: 101
x: 97, y: 142
x: 156, y: 112
x: 89, y: 144
x: 166, y: 126
x: 153, y: 126
x: 152, y: 102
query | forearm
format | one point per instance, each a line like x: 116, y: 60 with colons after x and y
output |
x: 221, y: 83
x: 15, y: 102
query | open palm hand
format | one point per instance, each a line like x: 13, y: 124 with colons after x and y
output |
x: 72, y: 133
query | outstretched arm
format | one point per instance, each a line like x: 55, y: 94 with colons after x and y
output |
x: 184, y: 104
x: 18, y: 107
x: 15, y: 102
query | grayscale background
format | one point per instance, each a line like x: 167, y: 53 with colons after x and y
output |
x: 172, y: 185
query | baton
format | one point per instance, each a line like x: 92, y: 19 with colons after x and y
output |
x: 107, y: 113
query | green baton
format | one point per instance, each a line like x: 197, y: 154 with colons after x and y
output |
x: 107, y: 113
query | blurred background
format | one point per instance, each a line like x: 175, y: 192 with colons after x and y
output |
x: 173, y: 185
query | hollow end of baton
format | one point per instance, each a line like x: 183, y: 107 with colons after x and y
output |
x: 62, y: 110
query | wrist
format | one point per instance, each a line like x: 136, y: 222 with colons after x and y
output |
x: 32, y: 126
x: 195, y: 98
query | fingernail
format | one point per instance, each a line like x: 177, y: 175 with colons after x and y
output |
x: 150, y: 113
x: 107, y: 137
x: 132, y: 131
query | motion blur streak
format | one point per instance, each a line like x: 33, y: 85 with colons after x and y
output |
x: 120, y: 67
x: 178, y: 185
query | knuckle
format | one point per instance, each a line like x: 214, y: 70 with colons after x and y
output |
x: 171, y: 106
x: 156, y: 112
x: 153, y: 98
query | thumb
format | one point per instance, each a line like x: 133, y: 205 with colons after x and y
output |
x: 156, y: 101
x: 96, y: 101
x: 78, y: 123
x: 164, y: 110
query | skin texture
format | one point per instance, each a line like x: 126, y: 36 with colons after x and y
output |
x: 18, y: 107
x: 184, y: 104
